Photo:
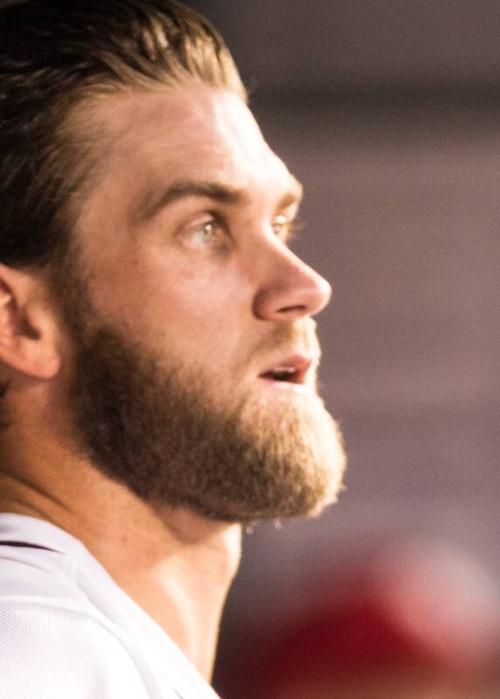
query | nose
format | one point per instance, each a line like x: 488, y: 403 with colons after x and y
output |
x: 290, y: 289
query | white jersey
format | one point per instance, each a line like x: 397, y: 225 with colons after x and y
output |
x: 68, y: 631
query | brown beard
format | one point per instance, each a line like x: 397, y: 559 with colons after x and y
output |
x: 160, y: 432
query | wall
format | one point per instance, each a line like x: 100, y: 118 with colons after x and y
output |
x: 390, y: 114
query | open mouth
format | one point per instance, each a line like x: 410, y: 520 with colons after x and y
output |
x: 283, y: 374
x: 291, y: 371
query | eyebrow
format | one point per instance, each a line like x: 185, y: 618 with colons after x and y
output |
x: 217, y: 191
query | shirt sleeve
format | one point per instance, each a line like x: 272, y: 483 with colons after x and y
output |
x: 55, y: 653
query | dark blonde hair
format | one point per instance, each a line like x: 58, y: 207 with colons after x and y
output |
x: 53, y: 55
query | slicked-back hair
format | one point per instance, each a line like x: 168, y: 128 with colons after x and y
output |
x: 54, y: 54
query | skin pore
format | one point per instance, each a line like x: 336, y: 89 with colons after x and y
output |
x: 184, y: 291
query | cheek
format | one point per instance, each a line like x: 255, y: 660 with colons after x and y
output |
x: 215, y: 306
x: 184, y: 303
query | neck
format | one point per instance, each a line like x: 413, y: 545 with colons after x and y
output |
x: 180, y: 576
x: 176, y: 565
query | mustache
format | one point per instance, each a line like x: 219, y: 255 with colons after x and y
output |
x: 286, y: 340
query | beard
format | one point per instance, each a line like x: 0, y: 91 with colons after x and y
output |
x: 163, y: 431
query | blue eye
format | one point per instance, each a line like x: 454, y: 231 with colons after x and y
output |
x: 205, y: 235
x: 284, y: 228
x: 280, y: 225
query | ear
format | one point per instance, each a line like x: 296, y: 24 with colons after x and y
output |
x: 28, y: 326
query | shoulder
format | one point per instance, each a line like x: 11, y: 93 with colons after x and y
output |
x: 54, y: 650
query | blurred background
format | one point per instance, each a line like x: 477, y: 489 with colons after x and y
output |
x: 389, y: 112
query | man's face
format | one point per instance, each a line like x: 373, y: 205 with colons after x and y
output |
x: 195, y: 350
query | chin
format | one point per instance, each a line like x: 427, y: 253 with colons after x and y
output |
x: 289, y: 462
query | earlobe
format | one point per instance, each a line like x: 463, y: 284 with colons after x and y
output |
x: 27, y: 327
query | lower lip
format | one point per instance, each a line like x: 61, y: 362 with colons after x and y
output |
x: 288, y: 386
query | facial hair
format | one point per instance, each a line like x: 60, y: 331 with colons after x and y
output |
x: 159, y: 430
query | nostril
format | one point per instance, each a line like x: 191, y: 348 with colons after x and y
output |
x: 292, y: 290
x: 293, y: 309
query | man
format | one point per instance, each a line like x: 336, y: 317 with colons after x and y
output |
x: 157, y: 348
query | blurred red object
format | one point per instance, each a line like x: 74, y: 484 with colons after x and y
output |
x: 414, y: 607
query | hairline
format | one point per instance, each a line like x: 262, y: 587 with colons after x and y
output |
x: 76, y: 135
x: 68, y: 146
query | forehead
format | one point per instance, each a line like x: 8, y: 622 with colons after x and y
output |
x: 149, y: 138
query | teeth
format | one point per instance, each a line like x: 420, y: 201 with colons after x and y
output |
x: 282, y: 373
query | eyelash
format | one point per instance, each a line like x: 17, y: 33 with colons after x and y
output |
x: 287, y: 228
x: 292, y: 228
x: 215, y: 222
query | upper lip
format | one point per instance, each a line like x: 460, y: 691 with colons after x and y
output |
x: 294, y: 368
